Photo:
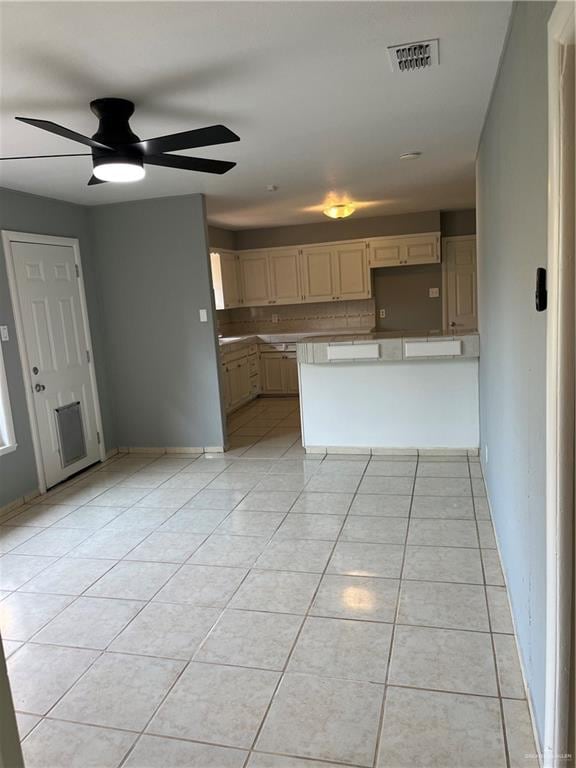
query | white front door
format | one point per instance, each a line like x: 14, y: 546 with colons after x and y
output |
x: 461, y: 290
x: 53, y: 329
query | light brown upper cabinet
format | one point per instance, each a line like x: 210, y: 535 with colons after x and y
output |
x: 335, y: 272
x: 318, y: 282
x: 404, y: 251
x: 284, y: 273
x: 225, y: 279
x: 254, y: 277
x: 352, y: 276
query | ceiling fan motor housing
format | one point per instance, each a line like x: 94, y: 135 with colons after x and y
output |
x: 114, y: 130
x: 113, y: 116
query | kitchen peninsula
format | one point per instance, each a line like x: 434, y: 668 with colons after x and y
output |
x: 382, y: 393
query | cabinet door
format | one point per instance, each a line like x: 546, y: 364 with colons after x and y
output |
x: 290, y: 375
x: 226, y: 394
x: 233, y: 385
x: 254, y: 278
x: 244, y: 384
x: 283, y: 268
x: 271, y: 367
x: 317, y: 274
x: 240, y: 389
x: 424, y: 249
x: 385, y: 252
x: 225, y: 279
x: 351, y: 269
x: 230, y: 279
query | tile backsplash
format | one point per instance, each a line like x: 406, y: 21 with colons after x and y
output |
x: 292, y: 318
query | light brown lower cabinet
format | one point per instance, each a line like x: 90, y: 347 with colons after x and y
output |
x: 279, y: 373
x: 237, y: 386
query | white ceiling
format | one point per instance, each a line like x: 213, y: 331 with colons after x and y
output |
x: 306, y: 85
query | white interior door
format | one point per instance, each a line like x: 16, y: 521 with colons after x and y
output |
x: 53, y: 329
x: 461, y: 283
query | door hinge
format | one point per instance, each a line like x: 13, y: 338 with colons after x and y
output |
x: 77, y: 268
x: 88, y: 357
x: 98, y: 437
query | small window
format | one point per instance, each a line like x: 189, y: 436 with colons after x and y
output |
x: 7, y: 439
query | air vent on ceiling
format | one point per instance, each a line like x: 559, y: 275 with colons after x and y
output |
x: 411, y: 57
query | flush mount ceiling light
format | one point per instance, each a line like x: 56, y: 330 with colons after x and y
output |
x: 120, y: 169
x: 410, y: 155
x: 341, y: 211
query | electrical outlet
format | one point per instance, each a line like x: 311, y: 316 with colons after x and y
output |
x: 4, y: 333
x: 203, y: 315
x: 433, y: 293
x: 275, y: 318
x: 382, y: 314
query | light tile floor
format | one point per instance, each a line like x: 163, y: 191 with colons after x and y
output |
x: 263, y: 609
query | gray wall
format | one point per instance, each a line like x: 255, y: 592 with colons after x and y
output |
x: 511, y: 203
x: 450, y: 223
x: 347, y: 229
x: 403, y: 293
x: 29, y: 213
x: 221, y: 238
x: 152, y: 259
x: 458, y: 223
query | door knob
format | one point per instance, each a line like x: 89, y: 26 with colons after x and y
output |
x: 452, y: 324
x: 39, y: 387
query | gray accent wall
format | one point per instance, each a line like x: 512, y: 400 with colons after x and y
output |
x: 153, y: 265
x: 403, y: 293
x: 512, y: 231
x: 458, y: 223
x: 344, y: 229
x: 22, y: 212
x: 222, y: 238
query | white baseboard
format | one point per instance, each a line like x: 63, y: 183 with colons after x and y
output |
x: 392, y: 451
x: 20, y: 501
x: 162, y: 451
x: 518, y: 649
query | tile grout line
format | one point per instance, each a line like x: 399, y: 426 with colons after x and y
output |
x: 393, y: 634
x: 492, y: 643
x: 303, y: 622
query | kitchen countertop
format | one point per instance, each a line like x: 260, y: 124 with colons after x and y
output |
x: 293, y: 337
x: 383, y: 335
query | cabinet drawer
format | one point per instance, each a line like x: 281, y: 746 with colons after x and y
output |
x: 253, y: 364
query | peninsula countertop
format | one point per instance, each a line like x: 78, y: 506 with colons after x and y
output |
x: 379, y: 347
x: 359, y: 337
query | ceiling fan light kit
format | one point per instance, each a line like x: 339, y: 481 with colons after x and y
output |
x: 119, y: 169
x: 119, y: 155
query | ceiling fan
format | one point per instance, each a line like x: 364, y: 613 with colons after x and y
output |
x: 119, y: 155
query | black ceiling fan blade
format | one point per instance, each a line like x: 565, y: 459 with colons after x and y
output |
x: 66, y: 133
x: 201, y: 164
x: 39, y: 157
x: 93, y: 180
x: 201, y: 137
